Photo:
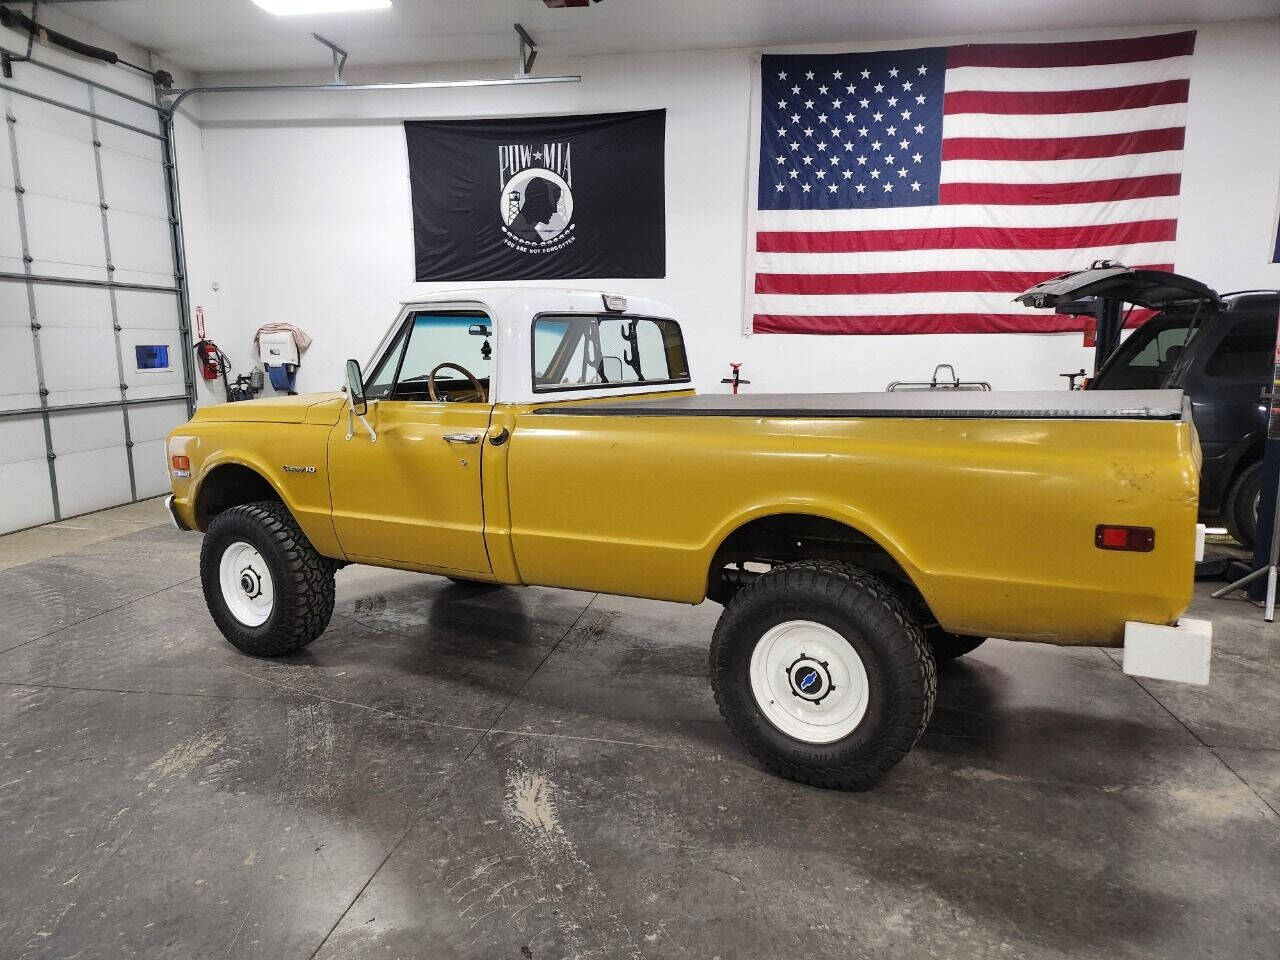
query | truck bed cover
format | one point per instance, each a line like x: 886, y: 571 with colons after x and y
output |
x: 924, y: 404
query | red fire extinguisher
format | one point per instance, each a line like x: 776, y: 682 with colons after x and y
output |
x: 209, y: 359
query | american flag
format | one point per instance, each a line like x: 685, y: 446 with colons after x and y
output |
x: 917, y: 191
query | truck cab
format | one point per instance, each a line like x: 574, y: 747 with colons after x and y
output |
x: 449, y: 375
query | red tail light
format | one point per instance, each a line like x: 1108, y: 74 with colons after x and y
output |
x: 1137, y: 539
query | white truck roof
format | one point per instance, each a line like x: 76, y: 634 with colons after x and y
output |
x: 511, y: 310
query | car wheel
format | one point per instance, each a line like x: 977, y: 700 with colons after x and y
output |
x: 822, y: 673
x: 269, y: 591
x: 1241, y: 512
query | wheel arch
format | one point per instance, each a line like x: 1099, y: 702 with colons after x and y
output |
x: 795, y: 531
x: 230, y: 483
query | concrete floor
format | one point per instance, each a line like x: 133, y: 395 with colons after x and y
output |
x: 538, y: 773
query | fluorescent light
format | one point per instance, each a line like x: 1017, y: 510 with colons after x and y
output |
x: 289, y: 8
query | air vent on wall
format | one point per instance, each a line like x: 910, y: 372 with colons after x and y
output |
x: 558, y: 4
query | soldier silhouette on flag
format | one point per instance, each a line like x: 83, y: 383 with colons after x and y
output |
x: 541, y: 201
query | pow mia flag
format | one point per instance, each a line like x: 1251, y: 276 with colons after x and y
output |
x: 538, y: 198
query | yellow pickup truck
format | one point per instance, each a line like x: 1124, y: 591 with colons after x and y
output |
x: 540, y: 436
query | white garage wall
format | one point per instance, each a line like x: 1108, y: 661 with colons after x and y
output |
x: 308, y: 217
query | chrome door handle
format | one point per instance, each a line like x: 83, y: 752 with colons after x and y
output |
x: 462, y: 438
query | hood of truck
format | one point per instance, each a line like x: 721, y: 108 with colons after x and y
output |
x: 297, y: 409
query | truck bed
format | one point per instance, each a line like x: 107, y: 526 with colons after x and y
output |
x: 923, y: 404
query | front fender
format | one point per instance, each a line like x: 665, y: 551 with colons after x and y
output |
x: 291, y: 458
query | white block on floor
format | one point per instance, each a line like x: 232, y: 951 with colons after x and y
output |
x: 1178, y: 653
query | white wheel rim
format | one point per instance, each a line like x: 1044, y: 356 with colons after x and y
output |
x: 246, y: 584
x: 809, y: 682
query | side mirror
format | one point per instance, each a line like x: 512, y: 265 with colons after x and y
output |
x: 359, y: 406
x: 355, y: 389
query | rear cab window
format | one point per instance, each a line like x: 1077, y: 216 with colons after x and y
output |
x: 599, y: 351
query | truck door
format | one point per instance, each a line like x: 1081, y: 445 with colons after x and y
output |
x: 413, y: 495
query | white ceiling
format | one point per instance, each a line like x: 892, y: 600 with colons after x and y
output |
x: 212, y: 36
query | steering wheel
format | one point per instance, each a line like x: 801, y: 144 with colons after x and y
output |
x: 479, y: 387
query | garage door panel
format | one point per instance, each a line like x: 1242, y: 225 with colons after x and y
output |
x: 150, y: 471
x: 28, y: 500
x: 55, y: 86
x: 140, y: 247
x: 140, y: 310
x: 87, y: 308
x: 133, y: 184
x: 22, y: 438
x: 92, y: 480
x: 13, y: 304
x: 19, y: 387
x: 155, y: 420
x: 10, y: 236
x: 65, y: 238
x: 126, y: 111
x: 6, y: 165
x: 127, y: 141
x: 86, y: 430
x: 35, y: 113
x: 145, y: 383
x: 57, y: 165
x: 79, y: 365
x: 24, y: 474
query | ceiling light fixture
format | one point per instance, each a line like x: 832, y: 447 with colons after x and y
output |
x: 289, y: 8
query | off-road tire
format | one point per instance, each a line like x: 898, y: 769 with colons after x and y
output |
x: 874, y: 620
x: 302, y: 579
x: 1238, y: 511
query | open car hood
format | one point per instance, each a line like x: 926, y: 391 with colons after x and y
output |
x: 1156, y: 289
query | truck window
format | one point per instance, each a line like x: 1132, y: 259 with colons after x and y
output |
x: 581, y: 352
x: 1246, y: 352
x: 429, y: 339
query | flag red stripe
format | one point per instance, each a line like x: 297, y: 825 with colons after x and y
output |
x: 1063, y: 148
x: 1093, y: 191
x: 916, y: 323
x: 931, y: 281
x: 966, y: 238
x: 1080, y: 54
x: 1065, y: 101
x: 910, y: 323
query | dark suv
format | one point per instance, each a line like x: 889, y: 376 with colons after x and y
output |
x: 1219, y: 350
x: 1222, y: 360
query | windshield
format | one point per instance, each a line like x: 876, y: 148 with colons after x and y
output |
x: 582, y: 352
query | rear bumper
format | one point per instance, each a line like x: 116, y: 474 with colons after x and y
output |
x: 1179, y: 653
x: 173, y: 514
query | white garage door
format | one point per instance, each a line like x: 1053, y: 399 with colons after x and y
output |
x: 94, y: 365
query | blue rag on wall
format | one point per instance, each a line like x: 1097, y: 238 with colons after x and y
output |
x: 283, y: 377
